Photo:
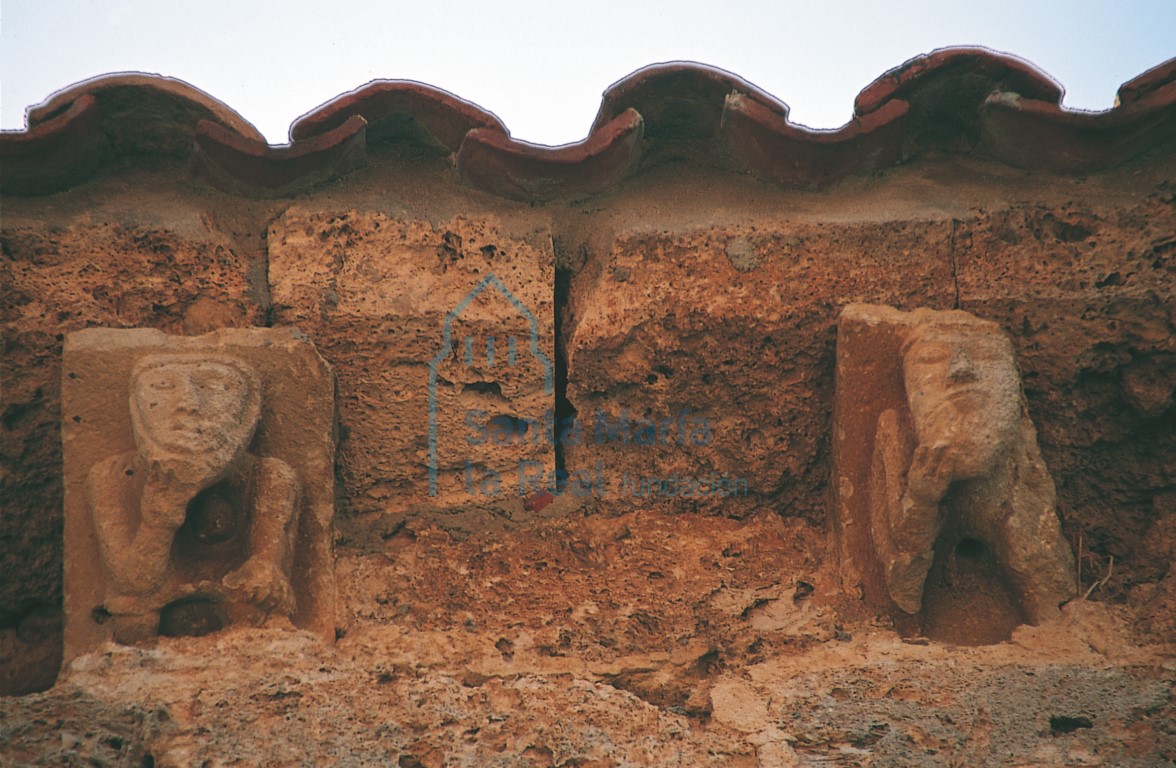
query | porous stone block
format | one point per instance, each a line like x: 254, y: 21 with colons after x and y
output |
x: 70, y: 267
x: 199, y: 483
x: 442, y: 339
x: 1088, y: 296
x: 700, y: 363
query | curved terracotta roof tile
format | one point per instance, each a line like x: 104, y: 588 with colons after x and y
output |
x: 147, y: 113
x: 767, y: 145
x: 1039, y: 135
x: 241, y: 165
x: 968, y: 100
x: 55, y: 154
x: 401, y: 109
x: 680, y: 100
x: 493, y: 162
x: 1136, y: 88
x: 920, y: 75
x: 127, y: 113
x: 946, y: 90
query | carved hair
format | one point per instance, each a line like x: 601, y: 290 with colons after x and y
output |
x: 923, y: 321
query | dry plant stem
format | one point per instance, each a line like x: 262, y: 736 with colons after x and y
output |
x: 1102, y: 582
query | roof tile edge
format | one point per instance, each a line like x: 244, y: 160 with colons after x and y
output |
x: 1007, y: 112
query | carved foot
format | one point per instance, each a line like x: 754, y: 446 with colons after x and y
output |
x: 132, y: 628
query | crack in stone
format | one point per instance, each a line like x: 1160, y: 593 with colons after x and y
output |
x: 951, y: 256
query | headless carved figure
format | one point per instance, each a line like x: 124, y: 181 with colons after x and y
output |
x: 974, y: 469
x: 191, y: 517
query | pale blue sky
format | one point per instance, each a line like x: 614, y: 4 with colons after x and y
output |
x: 541, y: 67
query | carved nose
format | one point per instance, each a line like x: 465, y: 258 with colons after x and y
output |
x: 188, y: 397
x: 961, y: 370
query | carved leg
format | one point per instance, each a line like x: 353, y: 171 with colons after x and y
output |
x: 903, y: 530
x: 1039, y: 562
x: 264, y: 579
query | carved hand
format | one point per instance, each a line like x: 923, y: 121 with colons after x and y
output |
x: 166, y: 493
x: 263, y: 584
x: 164, y: 506
x: 932, y: 470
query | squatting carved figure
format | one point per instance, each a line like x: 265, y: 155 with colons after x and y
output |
x: 191, y: 522
x: 936, y: 459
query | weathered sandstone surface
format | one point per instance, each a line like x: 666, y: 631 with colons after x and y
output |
x: 660, y: 587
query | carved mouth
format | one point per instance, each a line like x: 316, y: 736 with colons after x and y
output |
x: 965, y: 398
x: 183, y: 431
x: 968, y: 395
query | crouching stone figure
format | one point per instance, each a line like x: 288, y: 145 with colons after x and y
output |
x: 944, y: 465
x: 191, y: 500
x: 199, y: 486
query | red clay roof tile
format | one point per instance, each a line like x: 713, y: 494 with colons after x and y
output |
x: 147, y: 113
x: 388, y: 104
x: 54, y: 154
x: 768, y: 146
x: 1038, y: 135
x: 491, y: 161
x: 1136, y: 88
x: 999, y: 70
x: 967, y: 100
x: 233, y: 163
x: 679, y: 99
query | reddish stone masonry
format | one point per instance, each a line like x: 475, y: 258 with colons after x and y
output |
x: 690, y: 256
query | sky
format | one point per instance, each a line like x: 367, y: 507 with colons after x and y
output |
x: 541, y: 67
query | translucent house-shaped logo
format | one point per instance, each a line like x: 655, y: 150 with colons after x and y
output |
x: 491, y: 396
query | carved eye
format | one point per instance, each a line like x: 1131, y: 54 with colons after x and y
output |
x: 163, y: 384
x: 215, y: 381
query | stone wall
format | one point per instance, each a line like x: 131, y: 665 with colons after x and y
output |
x: 701, y: 361
x: 683, y: 318
x: 378, y: 294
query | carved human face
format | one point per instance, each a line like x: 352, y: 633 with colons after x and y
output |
x: 964, y: 392
x: 193, y: 406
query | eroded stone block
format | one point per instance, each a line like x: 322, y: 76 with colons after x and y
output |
x: 442, y: 338
x: 699, y: 362
x: 1088, y: 295
x: 65, y: 268
x: 943, y: 507
x: 198, y: 483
